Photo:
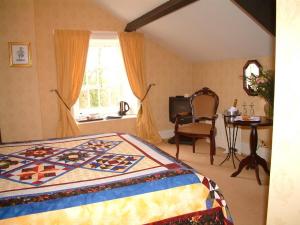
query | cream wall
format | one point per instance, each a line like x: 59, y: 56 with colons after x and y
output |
x: 20, y: 117
x: 35, y: 21
x: 38, y: 107
x: 284, y: 195
x: 225, y: 78
x: 172, y: 76
x: 24, y: 96
x: 162, y: 67
x: 62, y: 14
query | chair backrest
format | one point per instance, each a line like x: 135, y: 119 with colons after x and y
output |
x: 204, y: 103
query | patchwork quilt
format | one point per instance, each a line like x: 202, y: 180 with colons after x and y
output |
x: 103, y: 179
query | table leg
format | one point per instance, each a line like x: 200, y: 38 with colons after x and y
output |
x: 257, y: 174
x: 263, y: 163
x: 243, y: 163
x: 253, y: 148
x: 227, y: 157
x: 253, y: 160
x: 231, y: 136
x: 253, y: 140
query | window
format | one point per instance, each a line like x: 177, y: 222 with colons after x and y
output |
x: 105, y: 81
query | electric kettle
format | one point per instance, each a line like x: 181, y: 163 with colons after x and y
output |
x: 124, y: 107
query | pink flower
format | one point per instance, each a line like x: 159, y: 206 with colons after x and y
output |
x: 260, y: 80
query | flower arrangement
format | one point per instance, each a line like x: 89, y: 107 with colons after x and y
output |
x: 263, y: 85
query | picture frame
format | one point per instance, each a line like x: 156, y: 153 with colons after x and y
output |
x: 19, y: 54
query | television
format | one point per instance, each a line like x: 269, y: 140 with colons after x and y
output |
x: 177, y: 105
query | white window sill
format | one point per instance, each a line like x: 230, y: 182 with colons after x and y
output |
x: 105, y: 119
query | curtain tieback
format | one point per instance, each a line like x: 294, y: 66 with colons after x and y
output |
x: 59, y: 96
x: 148, y: 89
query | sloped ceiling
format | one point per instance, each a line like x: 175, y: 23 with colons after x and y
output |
x: 205, y: 30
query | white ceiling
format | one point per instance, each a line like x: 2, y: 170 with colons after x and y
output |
x: 202, y: 31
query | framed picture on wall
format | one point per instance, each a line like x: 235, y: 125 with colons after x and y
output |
x: 19, y: 54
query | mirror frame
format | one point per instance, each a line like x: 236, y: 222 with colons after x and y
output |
x: 249, y: 91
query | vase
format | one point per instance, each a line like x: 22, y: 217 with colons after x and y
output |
x: 268, y: 108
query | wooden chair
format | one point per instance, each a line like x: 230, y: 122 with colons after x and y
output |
x: 204, y: 105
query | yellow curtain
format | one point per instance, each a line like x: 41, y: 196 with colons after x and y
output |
x: 71, y: 48
x: 132, y: 45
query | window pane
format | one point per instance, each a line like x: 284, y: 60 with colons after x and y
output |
x: 83, y: 99
x: 115, y: 96
x: 99, y: 76
x: 101, y: 79
x: 104, y: 98
x: 84, y: 81
x: 94, y: 99
x: 92, y: 77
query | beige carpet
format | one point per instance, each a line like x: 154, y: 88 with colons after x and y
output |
x: 246, y: 199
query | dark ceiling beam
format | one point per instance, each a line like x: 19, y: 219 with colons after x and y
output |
x: 160, y: 11
x: 263, y: 11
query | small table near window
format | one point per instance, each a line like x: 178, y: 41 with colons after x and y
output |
x: 253, y: 160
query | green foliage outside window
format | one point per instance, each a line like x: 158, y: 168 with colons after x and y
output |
x: 94, y: 99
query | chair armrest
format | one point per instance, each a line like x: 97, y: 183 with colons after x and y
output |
x: 215, y: 116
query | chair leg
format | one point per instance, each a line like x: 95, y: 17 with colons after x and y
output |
x: 177, y: 145
x: 194, y: 141
x: 214, y: 145
x: 212, y: 149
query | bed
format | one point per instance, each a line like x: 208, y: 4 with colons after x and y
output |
x: 108, y: 178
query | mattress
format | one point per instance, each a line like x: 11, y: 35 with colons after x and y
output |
x: 107, y: 178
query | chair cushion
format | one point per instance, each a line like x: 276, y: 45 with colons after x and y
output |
x: 195, y: 128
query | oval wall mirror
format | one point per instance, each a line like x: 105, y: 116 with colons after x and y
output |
x: 251, y: 67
